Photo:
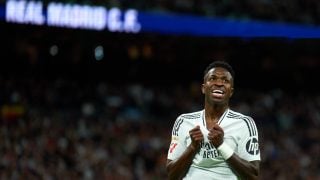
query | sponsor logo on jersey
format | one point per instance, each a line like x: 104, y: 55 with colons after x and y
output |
x: 252, y: 146
x: 174, y: 138
x: 208, y: 150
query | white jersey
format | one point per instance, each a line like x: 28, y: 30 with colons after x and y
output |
x: 240, y: 133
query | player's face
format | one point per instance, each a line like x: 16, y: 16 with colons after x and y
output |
x: 217, y: 86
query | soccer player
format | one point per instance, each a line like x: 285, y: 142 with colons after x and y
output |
x: 216, y: 142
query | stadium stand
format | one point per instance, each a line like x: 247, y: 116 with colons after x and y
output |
x: 66, y: 115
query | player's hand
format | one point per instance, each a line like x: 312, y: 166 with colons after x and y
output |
x: 196, y: 137
x: 215, y: 135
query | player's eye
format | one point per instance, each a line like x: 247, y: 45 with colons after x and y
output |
x: 212, y: 78
x: 225, y: 81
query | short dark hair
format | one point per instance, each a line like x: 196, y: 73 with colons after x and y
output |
x: 222, y: 64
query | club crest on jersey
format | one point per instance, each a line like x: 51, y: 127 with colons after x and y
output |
x: 174, y: 138
x: 252, y: 146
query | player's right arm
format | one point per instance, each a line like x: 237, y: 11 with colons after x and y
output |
x: 178, y: 167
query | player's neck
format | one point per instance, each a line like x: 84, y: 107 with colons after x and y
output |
x: 213, y: 113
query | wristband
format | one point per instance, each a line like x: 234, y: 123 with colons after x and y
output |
x: 225, y: 150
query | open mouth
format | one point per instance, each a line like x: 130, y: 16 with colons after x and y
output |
x: 217, y: 93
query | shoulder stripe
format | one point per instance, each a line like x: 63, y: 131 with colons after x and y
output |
x: 254, y: 128
x: 191, y: 116
x: 176, y: 126
x: 233, y: 114
x: 249, y: 121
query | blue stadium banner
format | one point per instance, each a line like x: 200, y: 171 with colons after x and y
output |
x: 100, y: 18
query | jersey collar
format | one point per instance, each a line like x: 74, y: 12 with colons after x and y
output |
x: 220, y: 120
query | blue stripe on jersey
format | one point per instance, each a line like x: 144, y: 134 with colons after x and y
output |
x: 191, y: 116
x: 179, y: 121
x: 247, y: 120
x: 250, y: 120
x: 177, y: 126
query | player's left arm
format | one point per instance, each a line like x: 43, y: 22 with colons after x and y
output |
x: 243, y: 168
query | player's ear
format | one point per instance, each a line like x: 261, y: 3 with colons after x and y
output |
x: 202, y: 89
x: 231, y: 91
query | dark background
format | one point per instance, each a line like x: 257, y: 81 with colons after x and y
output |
x: 259, y: 62
x: 70, y: 116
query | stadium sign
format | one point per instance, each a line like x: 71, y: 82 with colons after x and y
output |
x: 72, y: 16
x: 56, y: 14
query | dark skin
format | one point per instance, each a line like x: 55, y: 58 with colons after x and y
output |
x: 217, y: 79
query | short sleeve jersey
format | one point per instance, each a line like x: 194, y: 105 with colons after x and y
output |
x: 240, y: 133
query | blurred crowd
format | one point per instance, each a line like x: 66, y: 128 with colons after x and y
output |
x: 66, y: 115
x: 69, y: 129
